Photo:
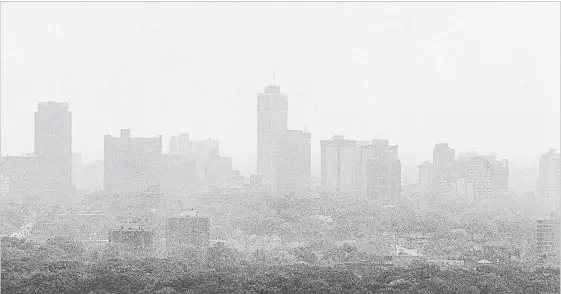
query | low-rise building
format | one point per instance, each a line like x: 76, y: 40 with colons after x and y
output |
x: 187, y: 230
x: 133, y: 235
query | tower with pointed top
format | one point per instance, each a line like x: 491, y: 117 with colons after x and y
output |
x: 272, y: 117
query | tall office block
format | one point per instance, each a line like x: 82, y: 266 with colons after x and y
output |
x: 272, y: 111
x: 425, y: 176
x: 201, y: 152
x: 383, y: 171
x: 549, y: 177
x: 488, y: 175
x: 53, y: 149
x: 293, y: 164
x: 131, y: 164
x: 337, y: 164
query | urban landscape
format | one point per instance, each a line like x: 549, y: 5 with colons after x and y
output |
x: 178, y: 216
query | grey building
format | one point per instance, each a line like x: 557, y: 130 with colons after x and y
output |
x: 549, y: 177
x: 187, y: 230
x: 272, y: 112
x: 293, y: 164
x: 338, y: 165
x: 131, y: 164
x: 53, y: 149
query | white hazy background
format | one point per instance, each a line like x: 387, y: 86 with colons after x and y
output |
x: 480, y: 76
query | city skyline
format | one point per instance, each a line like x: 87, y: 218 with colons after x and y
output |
x: 485, y: 106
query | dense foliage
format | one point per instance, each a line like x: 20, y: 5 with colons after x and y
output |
x: 61, y: 266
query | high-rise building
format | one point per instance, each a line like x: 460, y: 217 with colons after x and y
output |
x: 272, y: 112
x: 549, y: 178
x: 131, y: 164
x: 443, y: 161
x: 338, y: 165
x: 425, y: 177
x: 53, y: 148
x: 383, y: 171
x: 488, y: 175
x: 547, y: 240
x: 292, y: 164
x: 218, y: 169
x: 199, y: 151
x: 23, y: 179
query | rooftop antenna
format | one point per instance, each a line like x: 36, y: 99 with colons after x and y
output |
x: 273, y: 75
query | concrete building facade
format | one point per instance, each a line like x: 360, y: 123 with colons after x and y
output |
x: 53, y: 149
x: 292, y: 164
x: 549, y: 177
x: 272, y: 120
x: 338, y: 165
x: 131, y: 164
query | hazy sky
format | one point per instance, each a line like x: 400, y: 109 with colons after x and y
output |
x: 480, y: 76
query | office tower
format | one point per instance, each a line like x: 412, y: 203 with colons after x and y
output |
x: 337, y: 165
x: 549, y: 178
x: 187, y: 230
x: 488, y: 175
x: 53, y: 148
x: 178, y: 175
x: 292, y: 164
x: 24, y: 181
x: 131, y: 164
x: 383, y: 170
x: 443, y: 161
x: 499, y: 170
x: 272, y: 110
x: 218, y: 169
x: 199, y: 151
x: 425, y: 176
x: 180, y: 144
x: 547, y: 239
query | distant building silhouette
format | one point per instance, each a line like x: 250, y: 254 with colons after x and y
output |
x: 549, y: 177
x: 218, y: 169
x: 488, y: 175
x: 338, y: 165
x: 23, y: 178
x: 131, y: 164
x: 292, y: 164
x: 53, y: 148
x: 425, y: 176
x: 383, y: 170
x: 272, y: 112
x: 210, y: 168
x: 443, y: 167
x: 362, y: 169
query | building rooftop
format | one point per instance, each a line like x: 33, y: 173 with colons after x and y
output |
x: 190, y: 213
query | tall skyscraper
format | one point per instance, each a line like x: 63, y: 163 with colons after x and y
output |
x: 199, y: 151
x: 443, y: 161
x: 53, y: 148
x: 549, y: 178
x: 383, y: 171
x: 131, y: 164
x: 547, y: 239
x: 272, y: 111
x: 488, y: 175
x: 292, y: 164
x: 425, y: 176
x: 338, y: 165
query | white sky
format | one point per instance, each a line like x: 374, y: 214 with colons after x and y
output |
x: 480, y: 76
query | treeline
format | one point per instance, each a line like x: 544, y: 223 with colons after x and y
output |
x: 62, y: 266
